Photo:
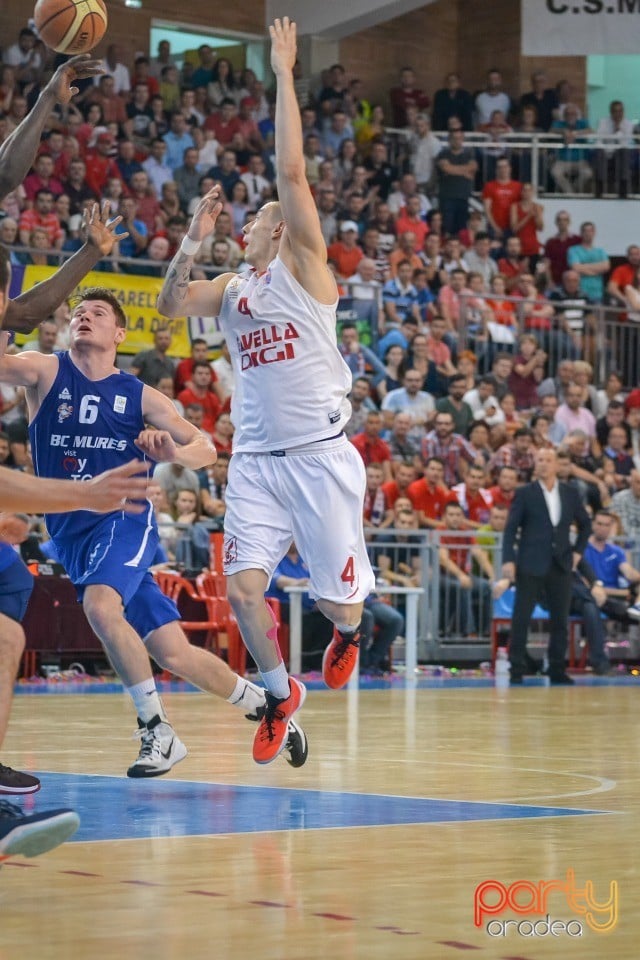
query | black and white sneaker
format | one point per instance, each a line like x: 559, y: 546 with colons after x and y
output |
x: 14, y: 782
x: 159, y: 751
x: 29, y: 836
x: 296, y: 748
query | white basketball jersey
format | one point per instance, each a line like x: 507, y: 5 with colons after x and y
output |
x: 291, y: 383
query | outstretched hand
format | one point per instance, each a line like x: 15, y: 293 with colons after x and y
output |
x: 283, y: 45
x: 99, y: 230
x: 206, y: 213
x: 159, y: 445
x: 78, y: 68
x: 119, y: 489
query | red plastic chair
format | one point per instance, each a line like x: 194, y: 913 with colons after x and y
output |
x: 211, y: 584
x: 208, y: 586
x: 173, y: 586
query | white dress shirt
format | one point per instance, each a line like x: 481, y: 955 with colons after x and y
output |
x: 552, y: 499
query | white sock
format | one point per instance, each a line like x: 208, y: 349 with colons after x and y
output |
x: 277, y: 681
x: 246, y: 695
x: 146, y: 700
x: 347, y: 629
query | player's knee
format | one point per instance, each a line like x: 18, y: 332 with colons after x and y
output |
x: 101, y: 612
x: 12, y: 640
x: 245, y: 598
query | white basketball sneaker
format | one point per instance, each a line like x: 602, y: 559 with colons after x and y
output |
x: 159, y: 751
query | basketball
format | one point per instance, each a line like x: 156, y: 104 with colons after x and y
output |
x: 70, y: 26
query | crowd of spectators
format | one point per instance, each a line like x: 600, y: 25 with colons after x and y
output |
x: 479, y: 342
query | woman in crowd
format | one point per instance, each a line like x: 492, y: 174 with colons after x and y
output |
x: 613, y: 390
x: 583, y: 377
x: 239, y: 207
x: 395, y: 363
x: 223, y: 86
x: 526, y: 219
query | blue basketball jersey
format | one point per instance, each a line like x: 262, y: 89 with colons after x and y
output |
x: 84, y: 427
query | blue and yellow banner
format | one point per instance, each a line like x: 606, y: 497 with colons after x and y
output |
x: 137, y: 295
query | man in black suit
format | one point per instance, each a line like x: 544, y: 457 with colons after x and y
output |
x: 543, y: 512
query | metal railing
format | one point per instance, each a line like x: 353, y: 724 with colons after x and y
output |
x: 593, y: 165
x: 607, y: 337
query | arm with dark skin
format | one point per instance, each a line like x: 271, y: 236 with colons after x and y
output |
x: 29, y: 309
x: 18, y: 151
x: 16, y: 157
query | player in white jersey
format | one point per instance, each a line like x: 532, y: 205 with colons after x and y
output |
x: 293, y: 474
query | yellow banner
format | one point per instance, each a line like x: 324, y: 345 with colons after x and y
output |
x: 137, y: 296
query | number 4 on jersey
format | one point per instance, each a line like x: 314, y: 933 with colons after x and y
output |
x: 348, y: 575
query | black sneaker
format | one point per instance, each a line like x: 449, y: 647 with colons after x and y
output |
x: 32, y: 835
x: 14, y: 782
x: 296, y: 747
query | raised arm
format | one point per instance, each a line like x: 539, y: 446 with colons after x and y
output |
x: 174, y: 440
x: 180, y: 296
x: 32, y: 307
x: 18, y: 151
x: 303, y: 248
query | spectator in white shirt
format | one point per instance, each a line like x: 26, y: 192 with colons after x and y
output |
x: 157, y: 170
x: 613, y: 165
x: 113, y: 66
x: 493, y: 98
x: 259, y: 188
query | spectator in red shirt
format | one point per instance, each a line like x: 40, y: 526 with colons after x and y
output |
x: 101, y: 166
x: 42, y: 215
x: 202, y: 393
x: 407, y: 94
x: 466, y: 598
x: 199, y: 352
x: 513, y: 264
x: 147, y: 205
x: 224, y: 124
x: 527, y: 373
x: 405, y: 475
x: 505, y: 489
x: 498, y: 195
x: 557, y: 247
x: 410, y: 221
x: 430, y: 495
x: 223, y: 434
x: 624, y: 275
x: 42, y: 178
x: 345, y: 252
x: 474, y: 499
x: 370, y: 445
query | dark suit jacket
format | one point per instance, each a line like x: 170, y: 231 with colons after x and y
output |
x: 540, y: 542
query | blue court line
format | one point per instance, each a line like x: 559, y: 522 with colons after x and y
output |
x: 397, y: 682
x: 115, y: 808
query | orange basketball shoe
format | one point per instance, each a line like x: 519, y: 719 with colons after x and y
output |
x: 340, y: 658
x: 273, y: 731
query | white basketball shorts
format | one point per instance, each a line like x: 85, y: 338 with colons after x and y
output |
x: 312, y: 495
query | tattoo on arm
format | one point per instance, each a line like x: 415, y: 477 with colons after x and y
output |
x: 176, y: 282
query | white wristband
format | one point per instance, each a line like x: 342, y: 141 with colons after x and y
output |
x: 189, y: 246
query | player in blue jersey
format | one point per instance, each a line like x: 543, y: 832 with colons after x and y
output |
x: 34, y: 833
x: 86, y: 416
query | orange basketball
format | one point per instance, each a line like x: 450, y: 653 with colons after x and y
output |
x: 70, y: 26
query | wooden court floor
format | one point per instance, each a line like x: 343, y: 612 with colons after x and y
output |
x: 409, y: 802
